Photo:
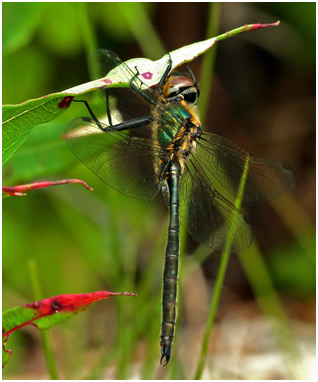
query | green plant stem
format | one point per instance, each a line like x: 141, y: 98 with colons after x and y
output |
x: 212, y: 313
x: 220, y: 276
x: 142, y: 29
x: 208, y: 61
x: 86, y: 28
x: 45, y: 337
x: 207, y: 75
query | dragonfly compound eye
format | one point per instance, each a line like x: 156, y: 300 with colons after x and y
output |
x: 190, y: 94
x: 177, y: 84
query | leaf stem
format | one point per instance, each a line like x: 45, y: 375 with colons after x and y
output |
x: 245, y: 28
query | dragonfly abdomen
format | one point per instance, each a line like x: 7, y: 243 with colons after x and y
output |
x: 170, y: 273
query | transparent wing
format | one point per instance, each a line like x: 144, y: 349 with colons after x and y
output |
x: 124, y: 162
x: 223, y: 161
x: 124, y: 103
x: 102, y: 61
x: 211, y: 217
x: 139, y: 99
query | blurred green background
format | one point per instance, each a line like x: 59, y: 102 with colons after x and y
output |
x: 262, y: 98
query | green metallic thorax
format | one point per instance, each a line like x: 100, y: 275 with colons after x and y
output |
x: 169, y: 125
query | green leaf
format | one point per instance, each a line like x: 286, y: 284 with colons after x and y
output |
x: 44, y: 153
x: 18, y: 120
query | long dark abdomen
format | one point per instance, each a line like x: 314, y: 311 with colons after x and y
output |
x: 170, y: 272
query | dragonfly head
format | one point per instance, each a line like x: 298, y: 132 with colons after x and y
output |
x: 181, y: 87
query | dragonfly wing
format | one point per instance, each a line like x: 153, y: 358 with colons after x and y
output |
x: 121, y: 100
x: 211, y: 217
x: 224, y: 161
x: 101, y: 62
x: 121, y: 160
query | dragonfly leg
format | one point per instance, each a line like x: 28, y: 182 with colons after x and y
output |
x: 165, y: 75
x: 109, y: 116
x: 127, y: 125
x: 95, y: 119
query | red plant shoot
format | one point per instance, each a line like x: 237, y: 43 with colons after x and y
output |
x: 22, y: 189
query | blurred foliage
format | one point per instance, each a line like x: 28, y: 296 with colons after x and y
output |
x: 82, y: 241
x: 303, y: 20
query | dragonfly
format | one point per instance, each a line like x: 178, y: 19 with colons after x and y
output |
x: 152, y: 140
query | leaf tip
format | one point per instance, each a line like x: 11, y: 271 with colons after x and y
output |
x: 260, y: 26
x: 123, y: 294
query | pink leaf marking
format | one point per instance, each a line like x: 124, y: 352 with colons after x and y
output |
x: 147, y: 75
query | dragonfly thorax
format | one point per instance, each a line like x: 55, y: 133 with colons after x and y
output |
x: 185, y: 143
x: 176, y: 126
